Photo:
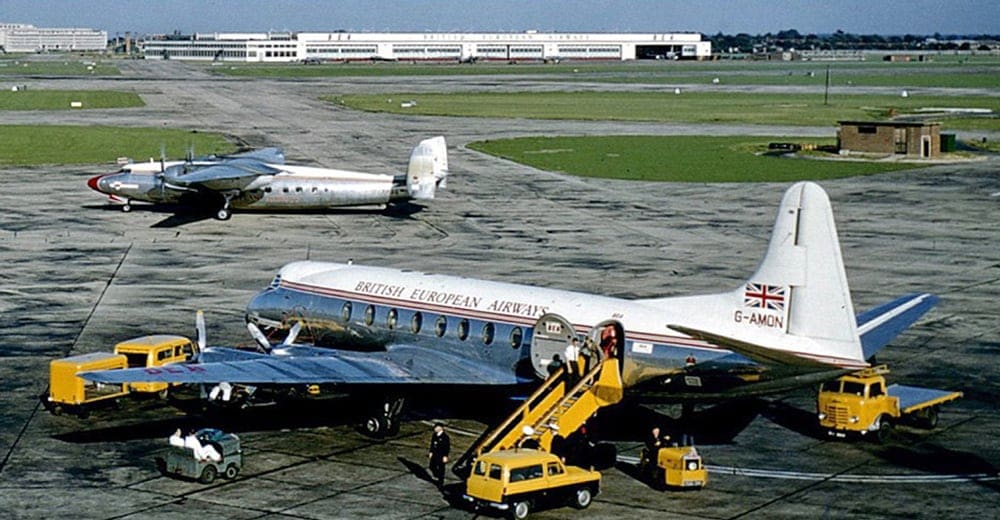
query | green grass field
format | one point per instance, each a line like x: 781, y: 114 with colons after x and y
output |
x: 675, y: 158
x: 35, y: 67
x: 24, y: 145
x: 61, y: 99
x: 686, y: 107
x: 945, y: 71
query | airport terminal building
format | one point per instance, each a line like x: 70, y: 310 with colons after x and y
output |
x: 18, y: 37
x: 348, y: 46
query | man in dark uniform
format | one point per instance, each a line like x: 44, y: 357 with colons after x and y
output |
x: 440, y: 447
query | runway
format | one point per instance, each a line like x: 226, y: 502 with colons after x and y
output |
x: 78, y: 277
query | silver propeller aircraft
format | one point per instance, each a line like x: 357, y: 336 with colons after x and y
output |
x: 790, y: 324
x: 261, y: 180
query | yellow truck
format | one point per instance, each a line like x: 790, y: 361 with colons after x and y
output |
x: 862, y: 404
x: 70, y: 393
x: 520, y: 480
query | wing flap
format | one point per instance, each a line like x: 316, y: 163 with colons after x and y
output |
x: 768, y: 356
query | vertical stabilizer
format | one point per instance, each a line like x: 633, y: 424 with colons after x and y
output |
x: 428, y: 168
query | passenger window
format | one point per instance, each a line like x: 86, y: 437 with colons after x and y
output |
x: 516, y: 336
x: 441, y: 326
x: 177, y: 351
x: 285, y: 189
x: 495, y: 471
x: 369, y: 315
x: 480, y: 468
x: 416, y: 322
x: 345, y: 311
x: 463, y: 329
x: 488, y: 333
x: 298, y: 189
x: 163, y: 354
x: 267, y: 189
x: 526, y: 473
x: 391, y: 318
x: 314, y: 189
x: 555, y: 469
x: 188, y: 351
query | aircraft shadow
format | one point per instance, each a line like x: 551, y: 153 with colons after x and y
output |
x: 719, y: 424
x: 180, y: 215
x: 795, y: 419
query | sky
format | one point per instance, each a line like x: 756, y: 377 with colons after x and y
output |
x: 885, y: 17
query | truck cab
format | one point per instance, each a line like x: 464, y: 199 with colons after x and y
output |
x: 520, y: 480
x: 154, y: 351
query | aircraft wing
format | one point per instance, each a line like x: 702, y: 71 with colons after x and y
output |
x: 399, y: 364
x: 234, y: 174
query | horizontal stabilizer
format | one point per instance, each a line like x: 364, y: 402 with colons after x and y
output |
x: 878, y: 326
x: 768, y: 356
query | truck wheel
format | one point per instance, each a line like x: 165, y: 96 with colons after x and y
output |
x: 208, y: 475
x: 232, y: 471
x: 583, y: 498
x: 884, y: 430
x: 928, y: 418
x: 162, y: 394
x: 520, y: 510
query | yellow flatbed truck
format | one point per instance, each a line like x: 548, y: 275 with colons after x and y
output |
x: 520, y: 480
x: 861, y: 403
x: 70, y: 393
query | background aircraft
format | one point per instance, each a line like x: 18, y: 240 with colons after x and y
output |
x: 260, y: 180
x: 790, y: 324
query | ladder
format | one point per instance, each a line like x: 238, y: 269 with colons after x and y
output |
x: 551, y: 405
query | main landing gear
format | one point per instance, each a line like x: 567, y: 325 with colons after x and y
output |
x: 383, y: 420
x: 225, y: 212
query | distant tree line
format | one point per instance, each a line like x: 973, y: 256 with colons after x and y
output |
x: 792, y: 39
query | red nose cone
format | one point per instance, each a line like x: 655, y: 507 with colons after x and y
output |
x: 92, y: 183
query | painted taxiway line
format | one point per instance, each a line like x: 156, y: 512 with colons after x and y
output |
x: 832, y: 477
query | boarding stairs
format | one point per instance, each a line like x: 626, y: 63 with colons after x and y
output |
x: 551, y: 405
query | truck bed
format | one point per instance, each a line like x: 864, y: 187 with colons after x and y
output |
x: 913, y: 398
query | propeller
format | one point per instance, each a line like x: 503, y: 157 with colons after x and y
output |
x: 163, y: 157
x: 265, y: 344
x: 199, y: 326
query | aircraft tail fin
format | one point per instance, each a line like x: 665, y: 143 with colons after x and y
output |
x: 797, y: 305
x: 428, y: 168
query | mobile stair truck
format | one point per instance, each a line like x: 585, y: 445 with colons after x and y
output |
x: 512, y: 467
x: 861, y: 404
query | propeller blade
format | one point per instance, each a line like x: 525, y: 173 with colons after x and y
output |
x: 199, y: 325
x: 259, y: 337
x: 293, y: 333
x: 163, y: 157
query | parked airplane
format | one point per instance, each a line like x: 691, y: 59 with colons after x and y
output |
x: 260, y: 180
x: 791, y: 323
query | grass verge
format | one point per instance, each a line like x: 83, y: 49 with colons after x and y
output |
x: 63, y: 99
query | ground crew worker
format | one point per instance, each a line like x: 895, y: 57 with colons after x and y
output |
x: 438, y: 455
x: 572, y: 355
x: 650, y: 453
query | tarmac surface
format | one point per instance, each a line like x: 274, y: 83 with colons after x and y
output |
x: 79, y: 276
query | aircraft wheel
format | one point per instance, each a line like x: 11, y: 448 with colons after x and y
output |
x: 232, y: 471
x: 126, y: 208
x: 583, y: 498
x: 162, y: 394
x: 374, y: 426
x: 208, y: 475
x: 224, y: 214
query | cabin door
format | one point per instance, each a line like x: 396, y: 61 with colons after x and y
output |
x: 550, y: 336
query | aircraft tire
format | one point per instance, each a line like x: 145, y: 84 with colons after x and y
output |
x: 126, y: 208
x: 374, y: 426
x: 223, y: 214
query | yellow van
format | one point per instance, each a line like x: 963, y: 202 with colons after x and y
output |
x: 68, y: 392
x: 154, y: 351
x: 518, y: 481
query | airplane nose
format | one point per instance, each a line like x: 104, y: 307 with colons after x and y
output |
x: 92, y: 183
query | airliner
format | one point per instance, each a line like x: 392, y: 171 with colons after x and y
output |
x: 387, y: 331
x: 260, y: 180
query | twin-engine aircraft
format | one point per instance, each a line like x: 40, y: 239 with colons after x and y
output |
x: 261, y: 180
x: 389, y: 332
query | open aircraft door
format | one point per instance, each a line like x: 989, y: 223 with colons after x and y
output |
x: 550, y: 336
